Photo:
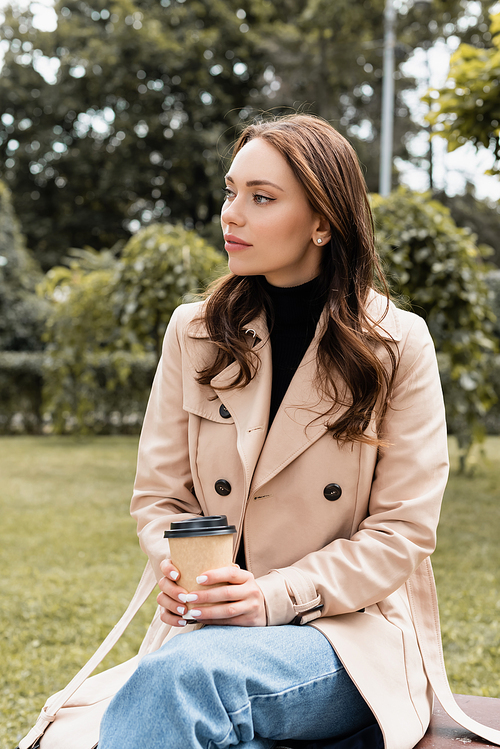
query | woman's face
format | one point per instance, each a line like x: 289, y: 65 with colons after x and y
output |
x: 269, y: 227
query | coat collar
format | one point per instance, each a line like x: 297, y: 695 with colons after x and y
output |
x: 382, y: 315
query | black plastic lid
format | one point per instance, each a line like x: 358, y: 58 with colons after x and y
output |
x: 212, y: 525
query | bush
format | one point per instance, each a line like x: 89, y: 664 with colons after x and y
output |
x: 437, y: 269
x: 22, y: 312
x: 492, y: 418
x: 22, y: 317
x: 160, y: 266
x: 97, y: 402
x: 107, y: 322
x: 115, y: 410
x: 21, y: 381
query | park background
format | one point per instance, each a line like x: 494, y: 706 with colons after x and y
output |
x: 115, y: 130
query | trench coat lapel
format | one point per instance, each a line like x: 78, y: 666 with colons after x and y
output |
x: 295, y: 427
x: 264, y: 453
x: 300, y: 420
x: 249, y: 406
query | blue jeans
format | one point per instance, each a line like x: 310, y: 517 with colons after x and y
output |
x: 249, y: 687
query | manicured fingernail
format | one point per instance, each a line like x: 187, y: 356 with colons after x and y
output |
x: 181, y: 623
x: 174, y: 575
x: 195, y: 612
x: 180, y: 609
x: 188, y: 598
x: 201, y: 579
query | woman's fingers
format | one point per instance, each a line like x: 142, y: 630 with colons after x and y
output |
x: 168, y: 598
x: 170, y: 588
x: 233, y: 575
x: 174, y: 621
x: 243, y: 613
x: 168, y: 569
x: 235, y: 598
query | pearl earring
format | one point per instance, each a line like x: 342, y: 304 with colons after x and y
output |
x: 319, y: 241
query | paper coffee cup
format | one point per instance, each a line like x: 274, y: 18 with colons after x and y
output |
x: 199, y: 545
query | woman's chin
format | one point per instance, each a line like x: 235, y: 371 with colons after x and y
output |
x: 243, y: 269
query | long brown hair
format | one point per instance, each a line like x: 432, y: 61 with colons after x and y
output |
x: 327, y: 167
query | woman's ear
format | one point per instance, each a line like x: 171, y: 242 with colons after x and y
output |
x: 322, y: 233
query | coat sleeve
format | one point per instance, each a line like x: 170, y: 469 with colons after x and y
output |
x: 163, y: 483
x: 407, y: 488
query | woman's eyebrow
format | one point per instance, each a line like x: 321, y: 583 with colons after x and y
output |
x: 256, y: 182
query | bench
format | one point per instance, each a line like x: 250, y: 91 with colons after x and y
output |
x: 444, y: 733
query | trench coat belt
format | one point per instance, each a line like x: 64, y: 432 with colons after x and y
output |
x: 307, y: 603
x: 421, y: 587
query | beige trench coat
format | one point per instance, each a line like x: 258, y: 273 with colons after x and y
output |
x: 353, y: 555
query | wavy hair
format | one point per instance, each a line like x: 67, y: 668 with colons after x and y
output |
x: 327, y: 167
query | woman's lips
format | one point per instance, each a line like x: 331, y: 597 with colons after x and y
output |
x: 232, y: 243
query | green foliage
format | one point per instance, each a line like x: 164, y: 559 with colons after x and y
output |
x: 330, y: 54
x: 492, y: 419
x: 436, y: 268
x: 21, y: 311
x: 147, y: 93
x: 492, y: 279
x: 482, y: 216
x: 160, y: 265
x: 107, y: 323
x: 468, y: 108
x: 21, y: 381
x: 80, y: 324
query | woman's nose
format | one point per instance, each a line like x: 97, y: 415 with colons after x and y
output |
x: 231, y: 213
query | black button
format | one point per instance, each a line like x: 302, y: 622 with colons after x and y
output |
x: 224, y: 412
x: 223, y: 487
x: 332, y: 492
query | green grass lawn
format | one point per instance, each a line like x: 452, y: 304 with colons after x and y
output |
x: 70, y: 561
x: 467, y: 569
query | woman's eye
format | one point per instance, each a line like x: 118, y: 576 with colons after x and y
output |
x: 259, y: 199
x: 262, y: 199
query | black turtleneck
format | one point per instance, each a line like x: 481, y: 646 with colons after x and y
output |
x: 292, y: 316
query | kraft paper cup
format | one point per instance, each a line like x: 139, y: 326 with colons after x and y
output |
x: 199, y: 545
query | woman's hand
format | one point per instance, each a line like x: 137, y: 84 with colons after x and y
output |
x: 237, y: 600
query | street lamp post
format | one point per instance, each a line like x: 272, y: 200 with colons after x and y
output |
x: 387, y: 125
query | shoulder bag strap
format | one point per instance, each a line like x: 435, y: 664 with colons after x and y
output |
x: 49, y: 712
x: 424, y: 607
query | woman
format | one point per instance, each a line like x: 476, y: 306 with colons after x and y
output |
x: 298, y: 401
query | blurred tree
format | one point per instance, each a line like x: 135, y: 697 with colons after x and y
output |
x: 107, y: 323
x: 22, y: 318
x: 492, y: 420
x: 160, y: 265
x: 482, y: 216
x: 330, y: 55
x: 468, y: 107
x: 22, y: 312
x: 148, y: 92
x: 145, y: 93
x: 435, y: 267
